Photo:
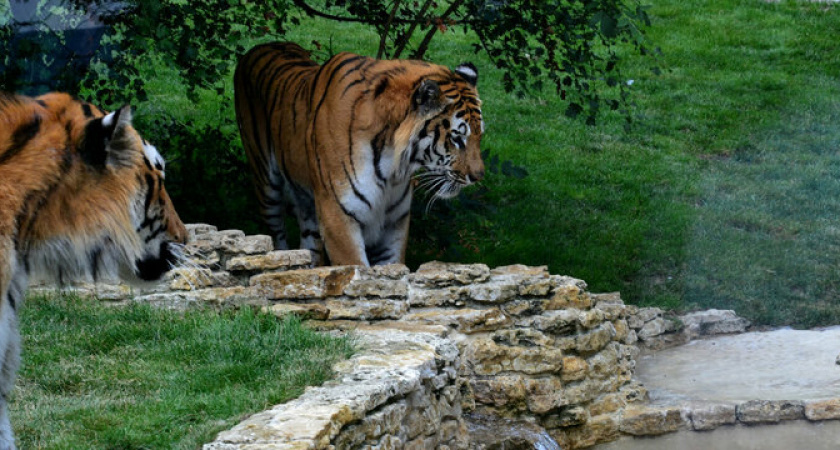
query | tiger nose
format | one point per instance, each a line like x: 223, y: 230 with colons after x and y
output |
x: 477, y: 174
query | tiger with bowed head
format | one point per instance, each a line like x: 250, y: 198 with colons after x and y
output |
x: 340, y: 142
x: 81, y: 197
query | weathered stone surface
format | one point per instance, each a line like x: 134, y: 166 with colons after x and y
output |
x: 377, y: 288
x: 390, y: 271
x: 305, y: 283
x: 568, y: 293
x: 714, y: 322
x: 530, y: 281
x: 492, y: 292
x: 464, y: 320
x: 196, y: 229
x: 221, y: 296
x: 232, y: 242
x: 273, y: 260
x: 651, y: 421
x: 574, y: 368
x: 596, y: 339
x: 524, y: 337
x: 303, y: 310
x: 440, y: 274
x: 597, y: 429
x: 591, y: 318
x: 648, y: 314
x: 822, y: 409
x: 711, y: 417
x: 366, y: 309
x: 652, y: 328
x: 607, y: 404
x: 184, y: 279
x: 451, y: 296
x: 488, y: 358
x: 605, y: 363
x: 107, y: 292
x: 570, y: 416
x: 769, y: 411
x: 562, y: 322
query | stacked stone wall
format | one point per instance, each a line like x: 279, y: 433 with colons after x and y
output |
x: 513, y: 342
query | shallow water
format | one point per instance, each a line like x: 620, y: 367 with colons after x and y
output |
x: 776, y: 365
x: 797, y: 435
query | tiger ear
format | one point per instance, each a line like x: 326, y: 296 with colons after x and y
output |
x: 426, y: 99
x: 102, y: 143
x: 468, y: 72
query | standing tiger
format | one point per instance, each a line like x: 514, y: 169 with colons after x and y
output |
x: 341, y: 141
x: 81, y: 196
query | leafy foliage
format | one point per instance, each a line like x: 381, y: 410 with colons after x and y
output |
x: 571, y: 44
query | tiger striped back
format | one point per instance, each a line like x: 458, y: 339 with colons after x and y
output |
x: 339, y: 143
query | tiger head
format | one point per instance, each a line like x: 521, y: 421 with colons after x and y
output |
x: 448, y: 146
x: 109, y: 215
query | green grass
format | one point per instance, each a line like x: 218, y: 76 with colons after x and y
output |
x: 102, y: 377
x: 723, y: 193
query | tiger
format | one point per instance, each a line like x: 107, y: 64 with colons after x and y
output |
x: 81, y: 197
x: 339, y: 144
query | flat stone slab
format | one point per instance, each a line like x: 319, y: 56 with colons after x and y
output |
x: 786, y: 436
x: 783, y: 364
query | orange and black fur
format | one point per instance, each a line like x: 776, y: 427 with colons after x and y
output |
x: 339, y: 143
x: 81, y: 197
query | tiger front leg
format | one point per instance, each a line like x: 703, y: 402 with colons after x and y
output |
x: 342, y: 232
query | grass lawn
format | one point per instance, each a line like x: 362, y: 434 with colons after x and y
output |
x: 723, y: 194
x: 102, y: 377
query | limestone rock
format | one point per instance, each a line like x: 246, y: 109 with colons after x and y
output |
x: 189, y: 279
x: 767, y: 411
x: 492, y: 292
x: 365, y: 309
x: 305, y: 283
x: 714, y: 322
x: 450, y: 296
x: 302, y: 310
x: 711, y: 417
x: 440, y: 274
x: 523, y: 337
x: 596, y: 339
x: 273, y: 260
x: 464, y: 320
x: 571, y: 416
x: 377, y: 288
x: 822, y: 409
x: 596, y: 430
x: 568, y: 293
x: 607, y: 404
x: 651, y: 421
x: 562, y: 322
x: 652, y: 328
x: 530, y: 281
x: 219, y: 296
x: 232, y: 242
x: 197, y: 229
x: 488, y: 358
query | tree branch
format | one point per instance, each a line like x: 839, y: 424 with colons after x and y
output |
x: 403, y: 40
x: 421, y: 49
x: 384, y: 37
x: 314, y: 12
